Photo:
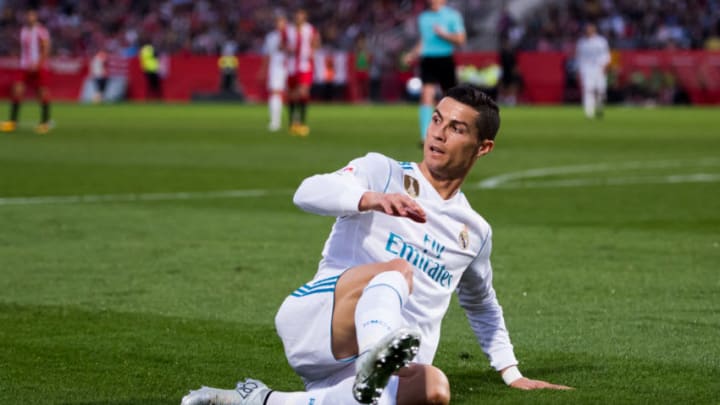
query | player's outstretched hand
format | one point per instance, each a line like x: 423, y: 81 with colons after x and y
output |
x: 396, y: 204
x: 528, y: 384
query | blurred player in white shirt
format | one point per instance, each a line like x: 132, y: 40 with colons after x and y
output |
x: 367, y: 327
x: 99, y: 73
x: 275, y: 70
x: 300, y: 40
x: 35, y: 72
x: 593, y: 58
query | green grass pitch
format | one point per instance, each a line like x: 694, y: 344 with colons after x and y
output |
x: 144, y: 250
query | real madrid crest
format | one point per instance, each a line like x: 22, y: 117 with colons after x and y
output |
x: 464, y: 238
x: 412, y: 187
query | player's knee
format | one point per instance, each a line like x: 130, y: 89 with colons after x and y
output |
x: 437, y: 390
x: 423, y: 384
x: 400, y: 265
x: 18, y: 90
x: 404, y: 268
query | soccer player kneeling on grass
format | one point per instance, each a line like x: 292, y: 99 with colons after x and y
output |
x: 367, y: 327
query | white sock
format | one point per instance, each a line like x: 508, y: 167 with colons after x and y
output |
x: 589, y: 103
x: 599, y: 101
x: 314, y: 397
x: 275, y: 107
x: 378, y: 310
x: 340, y: 394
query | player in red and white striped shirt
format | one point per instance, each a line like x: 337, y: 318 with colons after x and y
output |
x: 34, y: 56
x: 300, y: 41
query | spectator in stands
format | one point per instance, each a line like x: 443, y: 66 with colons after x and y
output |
x: 150, y: 65
x: 228, y: 64
x: 81, y: 26
x: 362, y: 68
x: 637, y: 87
x: 329, y: 72
x: 201, y: 27
x: 510, y: 80
x: 712, y: 43
x: 626, y: 24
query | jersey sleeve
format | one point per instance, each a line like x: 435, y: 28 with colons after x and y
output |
x: 314, y: 36
x: 477, y: 297
x: 457, y: 25
x: 605, y: 55
x: 338, y: 193
x: 44, y: 35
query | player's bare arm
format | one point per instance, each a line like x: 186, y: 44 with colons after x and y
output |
x: 457, y: 39
x: 261, y: 75
x: 395, y: 204
x: 410, y: 57
x: 45, y: 51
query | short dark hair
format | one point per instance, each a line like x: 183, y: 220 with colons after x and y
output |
x: 488, y: 120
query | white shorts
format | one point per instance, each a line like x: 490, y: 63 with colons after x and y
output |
x: 594, y: 80
x: 277, y: 79
x: 304, y: 324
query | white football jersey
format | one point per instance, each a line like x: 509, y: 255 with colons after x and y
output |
x: 592, y: 54
x: 300, y: 42
x: 273, y: 50
x: 30, y: 45
x: 450, y: 252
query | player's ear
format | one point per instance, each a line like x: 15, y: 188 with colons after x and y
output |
x: 485, y: 147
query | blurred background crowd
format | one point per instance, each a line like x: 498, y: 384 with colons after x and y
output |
x: 204, y: 26
x: 380, y: 29
x: 627, y: 24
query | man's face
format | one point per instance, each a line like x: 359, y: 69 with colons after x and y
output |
x: 453, y: 144
x: 32, y: 17
x: 590, y: 30
x: 436, y: 4
x: 280, y: 23
x: 300, y: 17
